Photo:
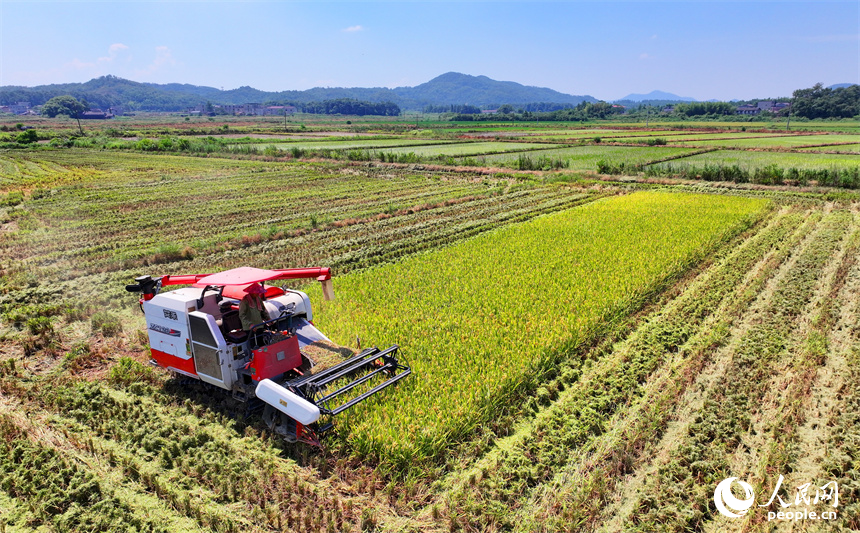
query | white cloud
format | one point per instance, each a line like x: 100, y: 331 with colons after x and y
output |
x: 353, y: 29
x: 163, y: 58
x: 114, y: 50
x: 77, y: 64
x: 644, y: 56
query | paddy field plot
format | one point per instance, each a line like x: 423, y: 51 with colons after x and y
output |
x: 466, y: 149
x: 106, y: 213
x: 793, y: 141
x: 349, y: 144
x: 587, y: 157
x: 751, y: 160
x: 841, y: 148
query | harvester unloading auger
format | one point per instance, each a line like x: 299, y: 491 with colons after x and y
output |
x: 196, y: 332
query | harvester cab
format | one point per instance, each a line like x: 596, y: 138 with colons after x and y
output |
x: 196, y: 332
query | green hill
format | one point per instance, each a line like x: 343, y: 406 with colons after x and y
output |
x: 447, y: 89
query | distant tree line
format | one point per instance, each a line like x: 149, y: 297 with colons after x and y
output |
x: 581, y: 112
x: 348, y: 106
x: 695, y: 109
x: 823, y: 102
x: 632, y: 105
x: 466, y: 109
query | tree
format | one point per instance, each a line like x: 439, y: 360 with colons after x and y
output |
x: 66, y: 105
x: 27, y: 137
x: 824, y: 102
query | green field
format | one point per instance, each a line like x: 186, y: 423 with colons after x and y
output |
x: 752, y: 160
x: 348, y: 144
x: 466, y: 149
x: 587, y: 157
x: 793, y: 141
x: 590, y: 352
x: 842, y: 148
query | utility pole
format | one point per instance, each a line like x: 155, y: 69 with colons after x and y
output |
x: 788, y: 122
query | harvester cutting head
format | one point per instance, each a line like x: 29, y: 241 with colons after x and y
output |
x: 197, y: 332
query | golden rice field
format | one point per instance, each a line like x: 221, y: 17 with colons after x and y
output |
x: 481, y: 319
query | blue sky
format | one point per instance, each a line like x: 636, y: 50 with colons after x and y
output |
x: 704, y: 50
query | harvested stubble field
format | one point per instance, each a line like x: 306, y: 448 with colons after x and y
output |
x: 587, y: 356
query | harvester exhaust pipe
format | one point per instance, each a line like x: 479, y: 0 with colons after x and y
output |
x: 146, y: 285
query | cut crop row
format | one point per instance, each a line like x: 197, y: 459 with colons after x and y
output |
x: 62, y: 489
x: 190, y: 458
x: 679, y: 496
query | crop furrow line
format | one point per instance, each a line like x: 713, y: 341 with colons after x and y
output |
x: 780, y: 441
x: 580, y: 493
x: 67, y: 485
x: 719, y: 429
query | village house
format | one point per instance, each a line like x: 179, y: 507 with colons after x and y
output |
x: 242, y: 109
x: 280, y: 110
x: 764, y: 105
x: 20, y: 108
x: 747, y: 110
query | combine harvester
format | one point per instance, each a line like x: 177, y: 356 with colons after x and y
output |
x: 196, y: 332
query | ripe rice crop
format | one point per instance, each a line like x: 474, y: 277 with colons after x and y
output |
x: 482, y: 320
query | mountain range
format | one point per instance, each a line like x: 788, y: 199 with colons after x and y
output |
x: 448, y: 89
x: 656, y: 95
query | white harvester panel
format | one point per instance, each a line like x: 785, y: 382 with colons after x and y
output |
x: 167, y: 322
x: 186, y: 339
x: 294, y: 302
x: 287, y: 402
